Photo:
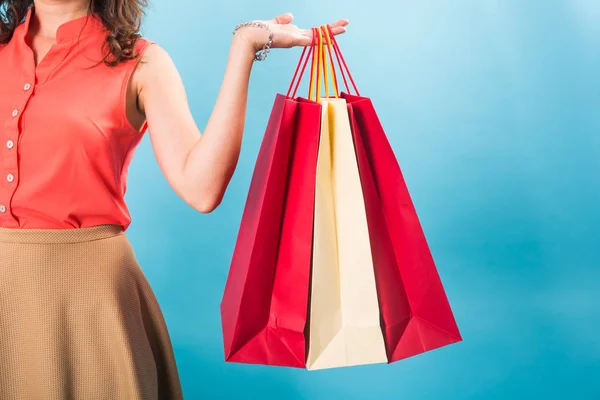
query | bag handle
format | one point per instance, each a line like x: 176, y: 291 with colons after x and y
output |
x: 328, y: 66
x: 322, y: 37
x: 341, y: 60
x: 322, y: 64
x: 308, y: 56
x: 311, y: 53
x: 326, y: 33
x: 316, y: 83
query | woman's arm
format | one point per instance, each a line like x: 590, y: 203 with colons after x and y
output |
x: 199, y: 167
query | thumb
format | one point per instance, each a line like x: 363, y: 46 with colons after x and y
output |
x: 283, y: 19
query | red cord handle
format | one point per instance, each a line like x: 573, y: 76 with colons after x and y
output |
x: 313, y: 51
x: 299, y: 76
x: 340, y: 57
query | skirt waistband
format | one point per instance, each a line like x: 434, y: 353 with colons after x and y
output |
x: 70, y: 235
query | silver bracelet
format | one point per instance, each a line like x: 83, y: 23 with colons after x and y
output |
x: 262, y: 54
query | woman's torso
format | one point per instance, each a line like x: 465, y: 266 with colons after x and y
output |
x: 66, y: 142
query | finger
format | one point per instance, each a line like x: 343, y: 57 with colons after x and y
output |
x: 340, y: 22
x: 283, y: 19
x: 304, y: 40
x: 338, y: 30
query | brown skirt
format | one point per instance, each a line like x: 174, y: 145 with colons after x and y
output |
x: 78, y: 319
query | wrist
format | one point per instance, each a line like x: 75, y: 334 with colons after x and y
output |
x: 243, y: 46
x: 258, y: 34
x: 257, y: 37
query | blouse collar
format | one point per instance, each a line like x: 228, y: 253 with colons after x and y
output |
x: 70, y: 30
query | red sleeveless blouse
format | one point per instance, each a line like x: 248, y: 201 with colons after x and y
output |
x: 65, y: 140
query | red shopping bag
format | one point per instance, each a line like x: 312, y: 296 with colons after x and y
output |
x: 265, y: 302
x: 415, y: 313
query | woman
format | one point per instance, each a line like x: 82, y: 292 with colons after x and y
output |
x: 79, y: 87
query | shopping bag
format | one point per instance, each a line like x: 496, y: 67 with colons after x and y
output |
x: 416, y: 315
x: 344, y: 327
x: 265, y: 302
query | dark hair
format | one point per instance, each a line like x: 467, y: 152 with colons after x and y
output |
x: 122, y: 19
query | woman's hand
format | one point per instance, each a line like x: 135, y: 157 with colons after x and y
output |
x: 285, y: 35
x: 199, y: 167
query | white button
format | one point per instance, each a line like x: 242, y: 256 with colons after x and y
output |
x: 10, y: 144
x: 15, y: 113
x: 27, y: 86
x: 10, y: 177
x: 2, y: 208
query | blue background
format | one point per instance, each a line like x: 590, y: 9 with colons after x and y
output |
x: 492, y: 109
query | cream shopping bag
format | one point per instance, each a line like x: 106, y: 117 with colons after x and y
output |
x: 344, y: 320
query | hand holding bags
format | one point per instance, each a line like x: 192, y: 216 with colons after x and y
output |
x: 329, y: 214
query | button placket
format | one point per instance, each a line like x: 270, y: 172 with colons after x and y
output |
x: 11, y: 167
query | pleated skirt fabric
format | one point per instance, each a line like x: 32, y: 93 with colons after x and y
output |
x: 78, y: 319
